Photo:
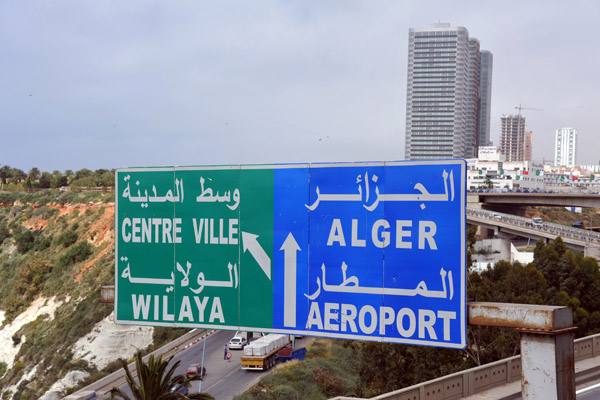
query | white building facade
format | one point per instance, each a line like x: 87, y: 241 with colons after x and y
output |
x: 565, y: 149
x: 491, y: 171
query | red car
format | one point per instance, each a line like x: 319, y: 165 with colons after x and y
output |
x: 193, y: 371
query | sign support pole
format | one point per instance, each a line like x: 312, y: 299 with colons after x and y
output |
x: 547, y: 352
x: 202, y: 364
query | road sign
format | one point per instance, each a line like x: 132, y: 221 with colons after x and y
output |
x: 372, y: 251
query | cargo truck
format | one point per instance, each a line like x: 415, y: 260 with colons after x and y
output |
x: 261, y: 354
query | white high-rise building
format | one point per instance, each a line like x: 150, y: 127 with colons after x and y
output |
x: 565, y: 147
x: 444, y: 100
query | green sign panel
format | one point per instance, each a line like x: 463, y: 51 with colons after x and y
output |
x: 181, y: 260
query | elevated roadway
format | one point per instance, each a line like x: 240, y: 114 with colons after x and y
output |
x: 591, y: 200
x: 507, y: 225
x: 517, y: 203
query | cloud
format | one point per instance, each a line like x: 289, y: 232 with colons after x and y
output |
x: 177, y: 83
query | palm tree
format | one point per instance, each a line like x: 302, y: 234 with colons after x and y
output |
x: 154, y: 381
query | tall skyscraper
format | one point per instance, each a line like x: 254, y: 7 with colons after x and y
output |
x: 565, y: 147
x: 486, y: 61
x: 473, y: 100
x: 443, y: 101
x: 512, y: 137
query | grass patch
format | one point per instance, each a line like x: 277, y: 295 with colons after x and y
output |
x: 330, y: 369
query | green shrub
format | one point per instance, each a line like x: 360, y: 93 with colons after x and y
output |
x: 44, y: 243
x: 31, y: 277
x: 45, y: 212
x: 7, y: 199
x: 4, y: 232
x: 67, y: 238
x: 286, y: 392
x: 24, y: 241
x: 77, y: 253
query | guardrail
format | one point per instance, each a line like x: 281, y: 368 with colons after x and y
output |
x: 482, y: 378
x: 548, y: 227
x: 590, y: 191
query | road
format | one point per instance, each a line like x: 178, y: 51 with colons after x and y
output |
x: 589, y: 393
x: 224, y: 379
x: 523, y: 226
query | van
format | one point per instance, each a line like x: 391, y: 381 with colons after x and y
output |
x: 579, y: 224
x: 537, y: 221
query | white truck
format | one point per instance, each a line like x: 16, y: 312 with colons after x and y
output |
x: 261, y: 354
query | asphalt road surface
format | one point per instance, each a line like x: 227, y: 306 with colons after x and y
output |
x: 224, y: 379
x: 589, y: 393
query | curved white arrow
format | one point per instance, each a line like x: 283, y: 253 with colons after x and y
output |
x: 250, y: 243
x: 290, y: 248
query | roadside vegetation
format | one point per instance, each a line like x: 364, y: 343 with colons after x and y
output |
x: 56, y: 245
x: 41, y: 253
x: 560, y: 215
x: 17, y: 179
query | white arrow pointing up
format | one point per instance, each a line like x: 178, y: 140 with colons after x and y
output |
x: 290, y: 248
x: 250, y: 243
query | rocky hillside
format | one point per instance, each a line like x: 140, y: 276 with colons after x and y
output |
x: 56, y: 251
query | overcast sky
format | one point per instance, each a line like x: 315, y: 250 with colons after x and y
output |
x: 106, y: 84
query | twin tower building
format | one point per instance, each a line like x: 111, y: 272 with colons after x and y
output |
x: 449, y: 92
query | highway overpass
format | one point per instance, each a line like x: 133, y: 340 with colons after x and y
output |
x: 516, y: 203
x: 506, y: 226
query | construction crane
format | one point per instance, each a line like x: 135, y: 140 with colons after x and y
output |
x: 527, y: 108
x: 520, y: 107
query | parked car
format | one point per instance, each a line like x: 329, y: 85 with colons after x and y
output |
x: 193, y: 371
x: 179, y: 388
x: 237, y: 342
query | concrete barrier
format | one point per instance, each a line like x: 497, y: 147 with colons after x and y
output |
x: 488, y: 376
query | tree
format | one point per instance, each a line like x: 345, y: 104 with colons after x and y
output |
x: 83, y: 173
x: 107, y: 179
x: 59, y: 181
x: 45, y: 180
x: 154, y: 381
x: 34, y: 174
x: 5, y: 174
x: 18, y: 175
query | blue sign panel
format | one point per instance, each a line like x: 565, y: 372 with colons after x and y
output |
x: 372, y: 251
